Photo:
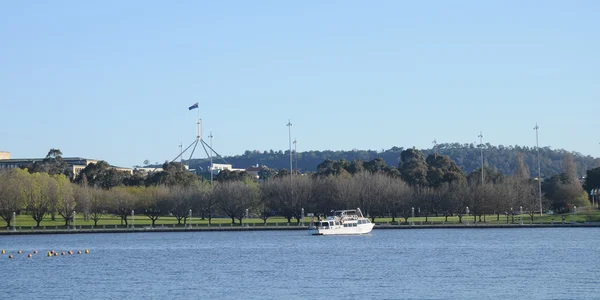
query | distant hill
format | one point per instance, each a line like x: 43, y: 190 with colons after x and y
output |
x: 467, y: 157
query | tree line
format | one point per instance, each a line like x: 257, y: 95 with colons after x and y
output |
x: 467, y: 157
x: 426, y: 186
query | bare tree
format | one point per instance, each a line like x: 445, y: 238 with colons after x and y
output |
x: 121, y: 201
x: 83, y: 198
x: 205, y: 202
x: 531, y: 202
x: 458, y: 198
x: 98, y: 204
x: 180, y: 202
x: 302, y: 194
x: 399, y: 193
x: 569, y: 168
x: 267, y: 202
x: 370, y: 193
x: 235, y: 197
x: 153, y: 202
x: 289, y: 198
x: 522, y: 172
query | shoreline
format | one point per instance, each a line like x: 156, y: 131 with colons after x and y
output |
x: 37, y: 231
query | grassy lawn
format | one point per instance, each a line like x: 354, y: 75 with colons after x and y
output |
x: 141, y: 220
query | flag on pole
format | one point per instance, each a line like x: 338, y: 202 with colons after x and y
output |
x: 193, y: 106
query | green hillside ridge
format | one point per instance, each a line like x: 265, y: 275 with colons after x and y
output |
x: 467, y: 157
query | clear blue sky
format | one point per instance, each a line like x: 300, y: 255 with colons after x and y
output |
x: 113, y: 80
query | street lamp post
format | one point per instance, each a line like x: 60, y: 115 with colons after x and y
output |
x: 190, y: 221
x: 289, y: 125
x: 481, y: 148
x: 467, y: 212
x: 211, y: 159
x: 296, y: 153
x: 520, y: 215
x: 74, y: 225
x: 482, y: 177
x: 247, y: 218
x: 537, y: 146
x: 412, y: 209
x: 132, y: 219
x: 302, y: 217
x: 14, y: 221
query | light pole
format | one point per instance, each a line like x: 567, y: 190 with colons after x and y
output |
x: 289, y: 125
x: 302, y: 217
x: 537, y: 146
x: 132, y: 219
x: 482, y: 177
x: 247, y: 217
x: 467, y: 217
x: 190, y: 221
x: 296, y: 153
x: 74, y: 225
x: 14, y: 221
x: 481, y: 148
x: 520, y: 215
x: 181, y: 151
x: 412, y: 210
x: 211, y: 159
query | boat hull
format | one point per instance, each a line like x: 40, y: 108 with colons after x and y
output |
x: 340, y: 230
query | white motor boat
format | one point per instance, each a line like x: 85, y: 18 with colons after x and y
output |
x: 342, y: 222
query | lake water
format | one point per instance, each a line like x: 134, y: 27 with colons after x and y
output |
x: 518, y: 263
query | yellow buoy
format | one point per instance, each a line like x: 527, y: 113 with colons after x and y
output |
x: 10, y: 256
x: 87, y: 251
x: 3, y: 252
x: 49, y: 254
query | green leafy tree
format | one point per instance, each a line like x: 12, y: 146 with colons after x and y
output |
x: 38, y: 195
x: 227, y: 175
x: 101, y: 175
x: 442, y: 169
x: 173, y: 174
x: 592, y: 179
x: 413, y: 167
x: 12, y: 195
x: 52, y: 164
x: 64, y: 197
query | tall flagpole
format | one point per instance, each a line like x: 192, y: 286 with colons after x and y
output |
x: 211, y: 159
x: 537, y: 146
x: 481, y: 145
x: 289, y: 125
x: 296, y: 153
